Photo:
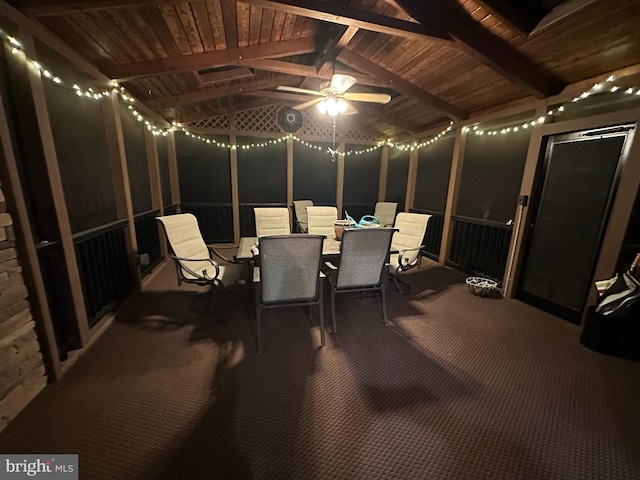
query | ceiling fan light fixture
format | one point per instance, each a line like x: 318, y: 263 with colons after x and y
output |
x: 332, y: 106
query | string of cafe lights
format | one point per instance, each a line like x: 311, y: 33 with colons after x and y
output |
x: 98, y: 94
x: 606, y: 86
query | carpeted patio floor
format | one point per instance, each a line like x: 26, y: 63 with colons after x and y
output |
x: 459, y: 387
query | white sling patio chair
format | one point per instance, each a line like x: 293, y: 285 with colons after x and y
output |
x: 407, y: 241
x: 272, y: 221
x: 193, y: 259
x: 385, y: 212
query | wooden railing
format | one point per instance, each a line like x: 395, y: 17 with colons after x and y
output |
x: 215, y: 220
x: 433, y: 235
x: 480, y: 247
x: 59, y: 300
x: 104, y: 268
x: 148, y: 239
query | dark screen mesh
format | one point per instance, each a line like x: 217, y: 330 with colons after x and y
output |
x: 314, y: 174
x: 397, y: 177
x: 262, y: 172
x: 78, y: 129
x: 491, y: 175
x: 163, y: 162
x: 432, y: 179
x: 136, y: 152
x: 203, y: 169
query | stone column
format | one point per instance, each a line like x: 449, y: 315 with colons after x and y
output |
x: 22, y: 371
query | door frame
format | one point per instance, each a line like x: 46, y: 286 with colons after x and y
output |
x: 626, y: 129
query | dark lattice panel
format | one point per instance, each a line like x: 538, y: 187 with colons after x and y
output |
x: 265, y: 120
x: 221, y: 122
x: 261, y: 120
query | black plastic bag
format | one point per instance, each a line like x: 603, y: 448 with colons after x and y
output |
x: 616, y: 301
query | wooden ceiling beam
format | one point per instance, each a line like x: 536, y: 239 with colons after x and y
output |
x: 333, y: 46
x: 289, y: 68
x: 508, y: 15
x: 199, y: 61
x: 335, y: 12
x: 43, y: 8
x: 489, y: 49
x: 357, y: 62
x: 340, y: 13
x: 223, y: 75
x: 287, y: 97
x: 218, y: 92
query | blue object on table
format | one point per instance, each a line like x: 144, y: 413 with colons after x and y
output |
x: 365, y: 221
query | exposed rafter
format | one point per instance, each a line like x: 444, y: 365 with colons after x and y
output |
x: 223, y: 75
x: 289, y: 68
x: 199, y: 61
x: 218, y: 92
x: 338, y: 12
x: 508, y: 15
x: 357, y: 62
x: 487, y: 48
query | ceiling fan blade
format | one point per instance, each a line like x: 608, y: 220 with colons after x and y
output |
x: 367, y: 97
x: 308, y: 104
x: 286, y: 88
x: 341, y: 83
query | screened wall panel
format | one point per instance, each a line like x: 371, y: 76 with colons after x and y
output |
x: 491, y: 175
x: 163, y: 163
x: 262, y: 172
x: 361, y: 178
x: 397, y: 177
x: 204, y: 170
x: 136, y: 153
x: 432, y: 178
x: 78, y: 131
x: 314, y: 174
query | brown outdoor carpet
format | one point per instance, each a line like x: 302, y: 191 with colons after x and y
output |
x: 459, y: 387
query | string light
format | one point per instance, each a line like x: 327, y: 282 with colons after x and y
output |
x: 90, y: 93
x: 601, y: 87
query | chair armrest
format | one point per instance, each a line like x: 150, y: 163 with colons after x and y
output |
x: 401, y: 256
x: 215, y: 252
x: 191, y: 272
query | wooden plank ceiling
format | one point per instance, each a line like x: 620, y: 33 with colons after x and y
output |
x: 440, y: 60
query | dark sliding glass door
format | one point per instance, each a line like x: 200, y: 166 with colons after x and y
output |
x: 576, y: 186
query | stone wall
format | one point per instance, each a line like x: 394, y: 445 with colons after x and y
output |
x: 22, y: 372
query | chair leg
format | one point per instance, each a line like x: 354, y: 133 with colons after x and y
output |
x: 321, y: 316
x: 258, y: 319
x: 383, y: 295
x: 333, y: 310
x: 397, y: 282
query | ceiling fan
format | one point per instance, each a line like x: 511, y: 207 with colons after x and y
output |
x: 333, y: 98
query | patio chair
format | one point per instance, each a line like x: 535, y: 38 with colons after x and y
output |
x: 194, y: 263
x: 408, y: 243
x: 288, y: 275
x: 363, y: 266
x: 385, y: 212
x: 300, y: 215
x: 320, y: 220
x: 272, y: 221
